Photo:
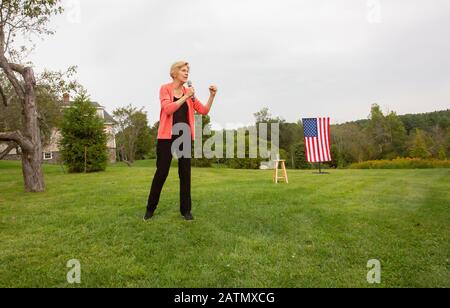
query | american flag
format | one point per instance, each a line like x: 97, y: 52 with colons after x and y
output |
x: 317, y: 140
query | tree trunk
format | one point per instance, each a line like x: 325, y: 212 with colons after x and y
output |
x: 29, y: 139
x: 32, y: 159
x: 32, y: 171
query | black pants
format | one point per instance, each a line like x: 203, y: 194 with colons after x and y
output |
x: 163, y: 162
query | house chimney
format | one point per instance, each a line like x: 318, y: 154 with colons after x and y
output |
x: 66, y: 98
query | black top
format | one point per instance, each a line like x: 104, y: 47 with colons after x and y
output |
x: 181, y: 115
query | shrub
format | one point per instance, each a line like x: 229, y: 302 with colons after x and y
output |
x: 402, y: 163
x: 201, y: 162
x: 244, y: 163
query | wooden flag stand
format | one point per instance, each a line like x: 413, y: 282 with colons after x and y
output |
x: 320, y: 170
x: 277, y: 178
x: 280, y: 163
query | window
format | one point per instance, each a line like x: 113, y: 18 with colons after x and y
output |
x: 48, y: 155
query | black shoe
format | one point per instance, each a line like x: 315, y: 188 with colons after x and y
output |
x: 148, y: 215
x: 188, y: 217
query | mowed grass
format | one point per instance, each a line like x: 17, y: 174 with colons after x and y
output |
x: 318, y: 231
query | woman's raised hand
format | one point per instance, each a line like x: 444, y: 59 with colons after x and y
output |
x: 213, y: 90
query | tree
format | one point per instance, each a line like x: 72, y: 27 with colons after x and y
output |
x: 133, y: 136
x: 351, y: 144
x: 145, y: 143
x: 26, y: 18
x: 299, y: 156
x: 387, y: 133
x: 83, y: 139
x: 378, y: 131
x: 438, y: 142
x: 50, y: 86
x: 442, y: 154
x: 290, y: 135
x: 419, y: 148
x: 397, y: 136
x: 263, y: 116
x: 151, y: 154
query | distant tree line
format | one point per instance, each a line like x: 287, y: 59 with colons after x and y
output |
x: 389, y: 136
x: 381, y: 136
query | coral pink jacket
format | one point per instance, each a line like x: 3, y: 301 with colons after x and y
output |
x: 169, y: 107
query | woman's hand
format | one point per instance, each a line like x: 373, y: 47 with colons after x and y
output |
x: 190, y: 92
x: 213, y: 90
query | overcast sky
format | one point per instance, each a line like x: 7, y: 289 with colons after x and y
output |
x: 300, y: 58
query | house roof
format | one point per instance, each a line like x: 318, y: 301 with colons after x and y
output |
x: 106, y: 116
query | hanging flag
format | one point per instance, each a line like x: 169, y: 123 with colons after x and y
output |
x: 317, y: 140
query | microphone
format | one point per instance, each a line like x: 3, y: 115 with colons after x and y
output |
x: 189, y: 83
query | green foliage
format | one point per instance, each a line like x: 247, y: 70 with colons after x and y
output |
x: 49, y: 89
x: 23, y: 19
x: 290, y: 134
x: 402, y: 163
x: 247, y: 162
x: 350, y: 144
x: 391, y: 136
x: 244, y: 163
x: 336, y: 159
x: 426, y: 121
x: 134, y: 136
x: 381, y: 137
x: 83, y: 142
x: 442, y: 154
x: 397, y: 136
x: 153, y: 138
x: 419, y: 148
x: 300, y: 158
x: 386, y: 133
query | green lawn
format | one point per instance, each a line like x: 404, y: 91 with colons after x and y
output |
x: 318, y: 231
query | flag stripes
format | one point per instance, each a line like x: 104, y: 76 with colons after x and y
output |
x: 317, y: 140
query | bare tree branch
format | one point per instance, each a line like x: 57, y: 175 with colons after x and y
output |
x: 9, y: 72
x: 17, y: 68
x: 11, y: 146
x: 3, y: 96
x: 18, y: 138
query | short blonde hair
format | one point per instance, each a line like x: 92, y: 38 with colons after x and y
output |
x: 176, y: 67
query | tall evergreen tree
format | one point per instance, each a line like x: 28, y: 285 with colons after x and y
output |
x: 83, y: 142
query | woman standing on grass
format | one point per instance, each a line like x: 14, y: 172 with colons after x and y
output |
x: 178, y: 105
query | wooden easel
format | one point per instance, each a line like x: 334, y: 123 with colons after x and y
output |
x: 276, y: 178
